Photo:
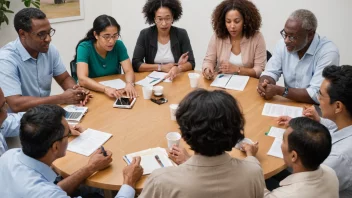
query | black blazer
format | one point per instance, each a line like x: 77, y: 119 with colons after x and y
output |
x: 147, y: 46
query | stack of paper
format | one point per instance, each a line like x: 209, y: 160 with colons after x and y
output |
x: 88, y: 142
x: 148, y: 159
x: 275, y: 110
x: 153, y: 79
x: 229, y: 81
x: 117, y: 83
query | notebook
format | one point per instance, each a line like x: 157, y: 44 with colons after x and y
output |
x: 74, y: 114
x: 148, y: 159
x: 229, y: 81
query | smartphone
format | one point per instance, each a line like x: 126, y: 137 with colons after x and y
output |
x: 125, y: 103
x: 159, y: 101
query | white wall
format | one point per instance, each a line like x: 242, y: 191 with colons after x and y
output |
x: 333, y: 22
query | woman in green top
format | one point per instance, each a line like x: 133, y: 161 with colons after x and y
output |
x: 100, y: 53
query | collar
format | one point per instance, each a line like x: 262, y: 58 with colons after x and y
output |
x: 153, y: 39
x: 201, y: 160
x: 37, y: 166
x: 313, y: 46
x: 22, y: 51
x: 341, y: 134
x: 243, y: 40
x: 302, y: 176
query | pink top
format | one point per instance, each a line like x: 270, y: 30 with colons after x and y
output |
x: 253, y: 52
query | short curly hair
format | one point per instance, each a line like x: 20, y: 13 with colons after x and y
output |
x: 151, y: 6
x: 211, y: 122
x: 251, y: 17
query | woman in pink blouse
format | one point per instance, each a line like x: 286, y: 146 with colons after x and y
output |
x: 237, y: 46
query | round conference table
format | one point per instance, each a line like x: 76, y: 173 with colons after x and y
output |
x: 146, y: 125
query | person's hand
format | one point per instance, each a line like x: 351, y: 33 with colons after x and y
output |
x: 73, y: 96
x: 183, y: 58
x: 98, y: 161
x: 133, y: 172
x: 250, y: 149
x: 208, y: 73
x: 311, y: 113
x: 178, y: 155
x: 76, y: 129
x: 87, y: 94
x: 262, y: 86
x: 130, y: 91
x: 283, y: 120
x: 172, y: 73
x: 112, y: 92
x: 167, y: 67
x: 270, y: 91
x: 227, y: 68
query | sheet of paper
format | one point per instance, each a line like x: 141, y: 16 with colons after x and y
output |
x: 161, y: 75
x: 276, y: 132
x: 117, y: 83
x: 237, y: 82
x: 275, y: 110
x: 275, y: 149
x: 221, y: 80
x: 88, y: 142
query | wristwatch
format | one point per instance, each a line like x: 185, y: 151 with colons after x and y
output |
x: 285, y: 92
x: 159, y: 67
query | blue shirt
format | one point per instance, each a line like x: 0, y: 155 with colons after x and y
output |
x: 9, y: 128
x: 20, y: 74
x: 307, y: 71
x: 23, y: 176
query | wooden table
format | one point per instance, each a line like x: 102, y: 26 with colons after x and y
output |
x: 146, y: 124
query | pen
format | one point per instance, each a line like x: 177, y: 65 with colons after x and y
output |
x: 222, y: 75
x: 153, y: 81
x: 103, y: 150
x: 158, y: 160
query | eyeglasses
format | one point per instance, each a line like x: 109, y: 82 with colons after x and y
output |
x: 59, y: 139
x: 290, y: 38
x: 160, y: 20
x: 107, y: 37
x: 4, y: 107
x: 42, y: 35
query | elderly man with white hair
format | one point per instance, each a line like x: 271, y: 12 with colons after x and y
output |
x: 300, y: 57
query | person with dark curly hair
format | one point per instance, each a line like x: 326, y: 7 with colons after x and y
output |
x: 237, y: 46
x: 163, y: 47
x: 211, y: 123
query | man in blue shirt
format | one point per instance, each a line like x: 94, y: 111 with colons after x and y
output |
x: 28, y: 64
x: 300, y: 57
x: 44, y: 134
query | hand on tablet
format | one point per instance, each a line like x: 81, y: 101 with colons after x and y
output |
x: 112, y: 92
x: 130, y: 91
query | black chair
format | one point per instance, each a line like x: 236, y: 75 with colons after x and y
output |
x: 73, y: 67
x: 268, y: 55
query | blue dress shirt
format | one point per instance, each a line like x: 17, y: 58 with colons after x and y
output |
x: 23, y: 176
x: 21, y: 74
x: 9, y: 128
x: 307, y: 71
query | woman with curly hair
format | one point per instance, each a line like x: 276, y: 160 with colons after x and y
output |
x: 237, y: 46
x: 163, y: 47
x: 211, y: 123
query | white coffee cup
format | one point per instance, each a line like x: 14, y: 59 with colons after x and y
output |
x: 173, y: 108
x: 193, y: 79
x: 158, y: 90
x: 147, y: 92
x: 173, y: 138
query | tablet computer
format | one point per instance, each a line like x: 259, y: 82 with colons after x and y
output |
x: 124, y: 102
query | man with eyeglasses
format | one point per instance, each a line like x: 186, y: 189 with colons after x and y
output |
x: 300, y: 57
x: 28, y: 64
x: 44, y: 134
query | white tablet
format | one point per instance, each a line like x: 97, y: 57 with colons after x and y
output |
x: 125, y: 103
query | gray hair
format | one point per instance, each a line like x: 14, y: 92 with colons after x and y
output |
x: 308, y: 19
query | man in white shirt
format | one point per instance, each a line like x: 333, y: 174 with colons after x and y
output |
x: 306, y: 144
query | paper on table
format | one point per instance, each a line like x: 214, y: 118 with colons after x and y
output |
x: 275, y: 149
x: 88, y: 142
x: 237, y: 82
x: 276, y: 132
x: 275, y: 110
x: 161, y: 75
x: 221, y: 80
x: 117, y: 83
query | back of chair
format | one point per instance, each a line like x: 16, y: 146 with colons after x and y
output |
x: 268, y: 55
x: 73, y: 67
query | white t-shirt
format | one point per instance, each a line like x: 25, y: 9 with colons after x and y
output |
x: 236, y: 59
x: 164, y: 54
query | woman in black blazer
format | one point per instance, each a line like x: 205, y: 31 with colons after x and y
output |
x: 163, y: 47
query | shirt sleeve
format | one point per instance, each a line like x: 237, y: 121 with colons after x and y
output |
x: 125, y: 191
x: 82, y: 53
x: 150, y: 189
x: 121, y: 51
x: 342, y: 169
x: 11, y: 125
x: 139, y: 52
x: 328, y: 59
x: 210, y: 57
x: 186, y: 47
x: 9, y: 79
x: 259, y: 55
x: 58, y: 67
x: 274, y: 67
